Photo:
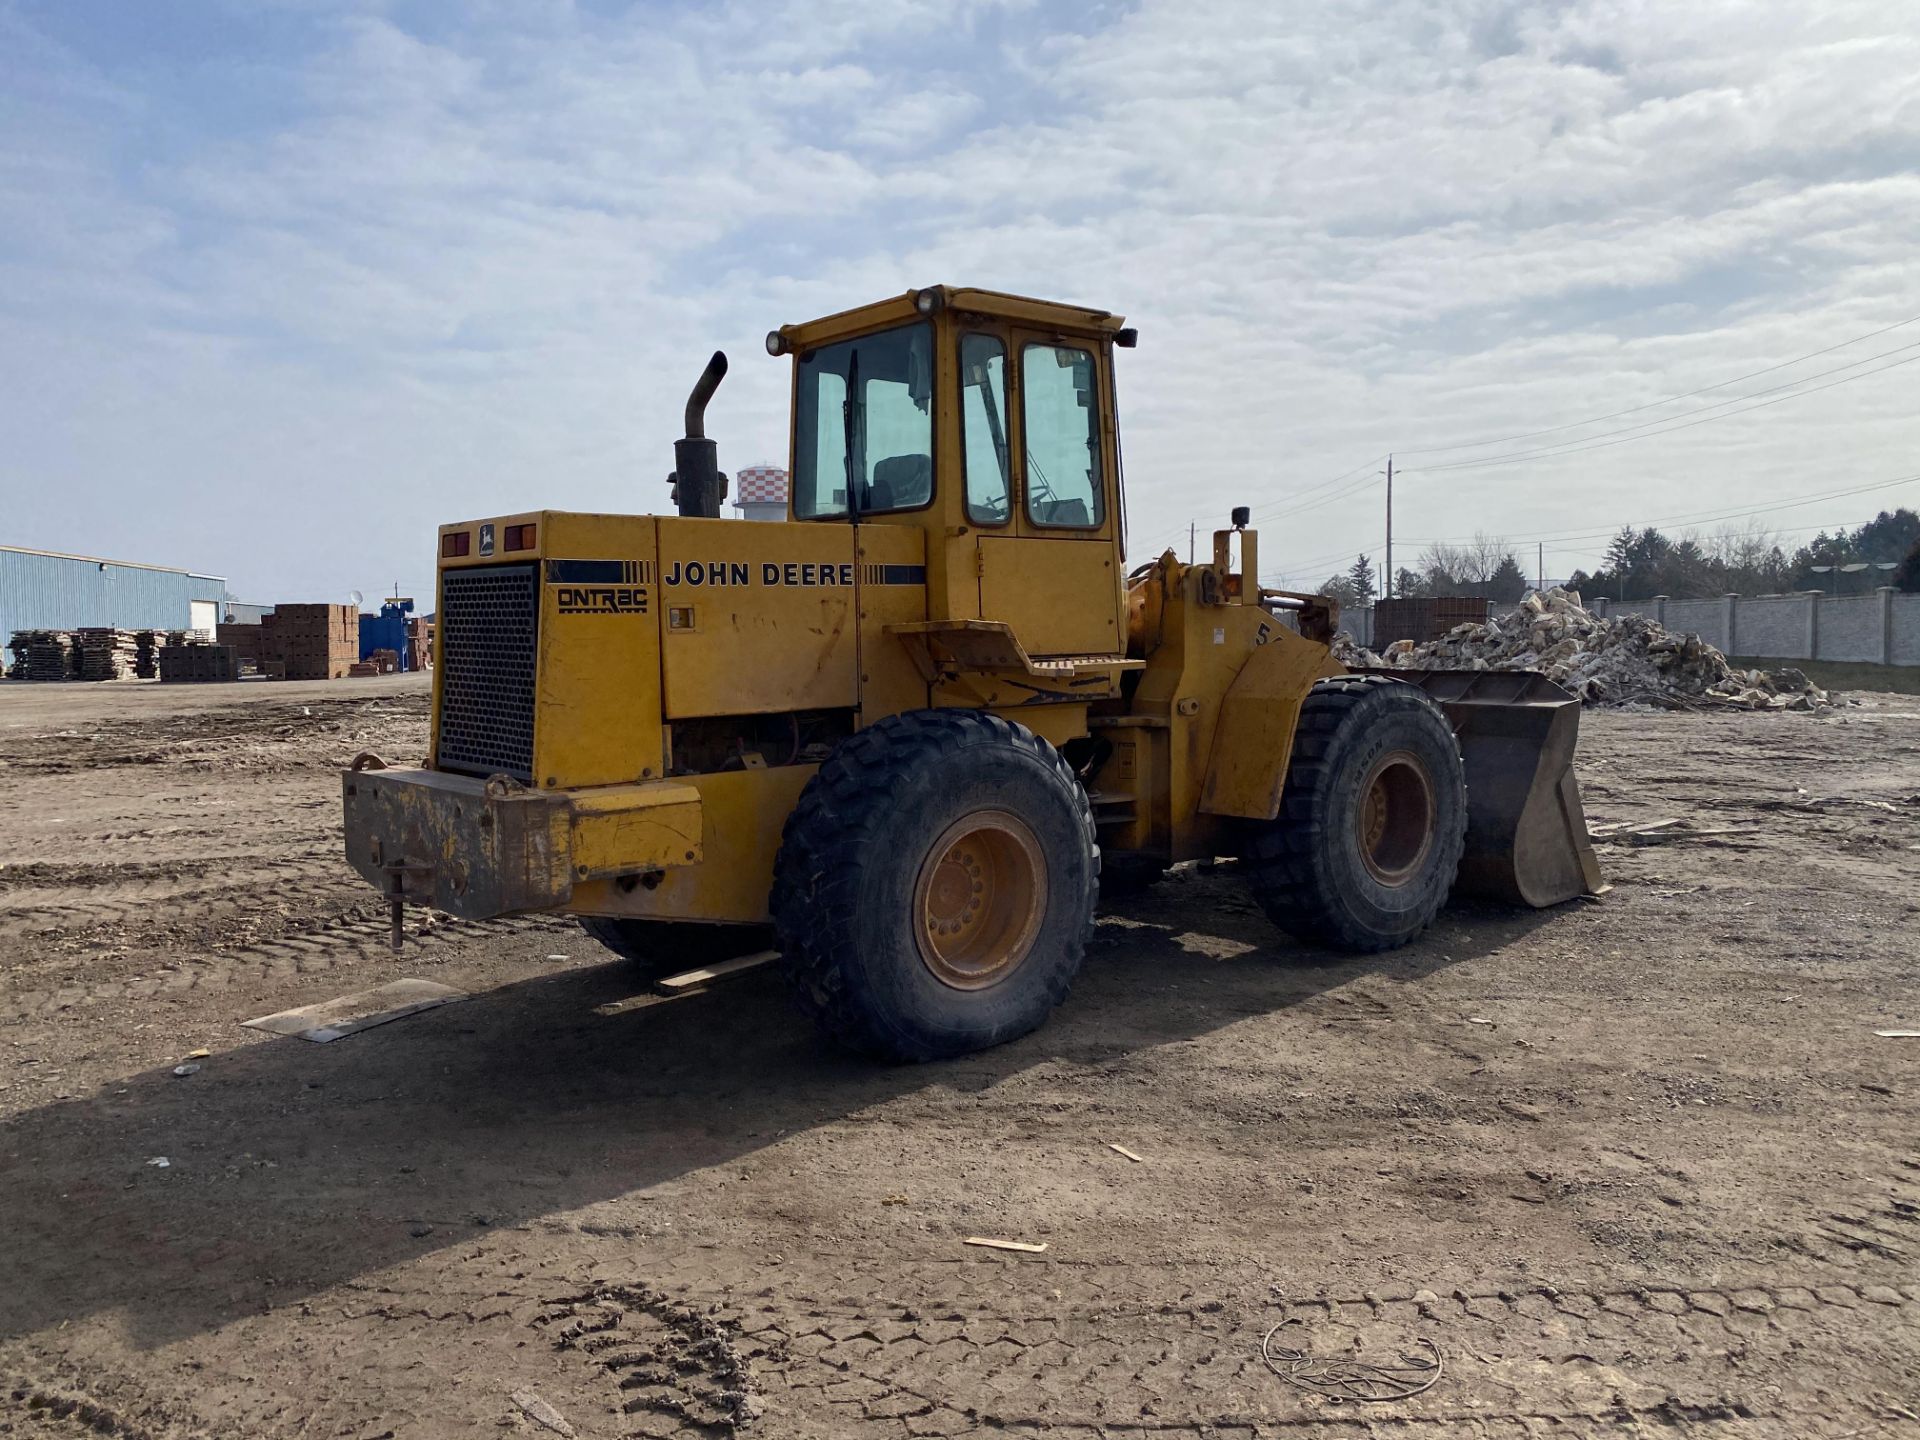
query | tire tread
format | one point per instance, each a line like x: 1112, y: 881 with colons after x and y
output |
x: 816, y: 885
x: 1287, y: 856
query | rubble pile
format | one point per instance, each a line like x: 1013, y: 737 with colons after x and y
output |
x: 1623, y: 660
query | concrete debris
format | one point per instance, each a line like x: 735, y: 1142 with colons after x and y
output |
x: 1621, y: 660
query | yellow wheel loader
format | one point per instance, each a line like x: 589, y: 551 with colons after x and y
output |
x: 907, y: 732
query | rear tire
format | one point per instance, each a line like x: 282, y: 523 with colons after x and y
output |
x: 935, y: 885
x: 1372, y: 820
x: 664, y: 947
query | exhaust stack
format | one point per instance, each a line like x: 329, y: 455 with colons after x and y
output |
x: 697, y: 484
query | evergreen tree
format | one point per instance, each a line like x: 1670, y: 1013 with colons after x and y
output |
x: 1340, y: 588
x: 1907, y: 577
x: 1508, y: 583
x: 1361, y: 581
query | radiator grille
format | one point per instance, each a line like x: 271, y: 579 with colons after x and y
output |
x: 484, y: 639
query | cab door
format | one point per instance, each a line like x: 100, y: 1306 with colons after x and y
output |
x: 1050, y: 566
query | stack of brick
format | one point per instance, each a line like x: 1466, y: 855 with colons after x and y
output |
x: 104, y: 654
x: 253, y: 644
x: 248, y: 640
x: 197, y: 660
x: 419, y: 642
x: 313, y: 642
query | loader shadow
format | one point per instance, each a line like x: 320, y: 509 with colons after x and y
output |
x: 295, y: 1167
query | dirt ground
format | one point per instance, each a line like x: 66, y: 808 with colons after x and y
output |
x: 1634, y: 1166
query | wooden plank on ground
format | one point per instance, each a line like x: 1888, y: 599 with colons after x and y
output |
x: 327, y: 1020
x: 688, y: 978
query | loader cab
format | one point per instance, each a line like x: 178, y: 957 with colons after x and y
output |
x: 986, y: 421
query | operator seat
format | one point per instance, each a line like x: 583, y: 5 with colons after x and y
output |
x: 901, y: 482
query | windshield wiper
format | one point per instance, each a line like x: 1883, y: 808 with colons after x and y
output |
x: 850, y: 437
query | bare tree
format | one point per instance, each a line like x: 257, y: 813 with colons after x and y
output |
x: 1466, y: 569
x: 1752, y: 556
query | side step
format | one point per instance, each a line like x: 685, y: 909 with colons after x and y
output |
x: 689, y: 983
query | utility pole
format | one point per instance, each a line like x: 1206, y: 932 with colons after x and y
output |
x: 1191, y: 528
x: 1540, y: 565
x: 1386, y: 585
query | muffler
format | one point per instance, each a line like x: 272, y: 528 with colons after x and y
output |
x: 698, y: 485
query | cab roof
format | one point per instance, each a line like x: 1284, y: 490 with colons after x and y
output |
x: 930, y: 299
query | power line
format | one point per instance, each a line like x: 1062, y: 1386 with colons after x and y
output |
x: 1290, y: 501
x: 1298, y: 567
x: 1555, y: 538
x: 1665, y: 426
x: 1655, y: 404
x: 1695, y: 517
x: 1601, y: 443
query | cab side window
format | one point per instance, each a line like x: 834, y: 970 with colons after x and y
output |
x: 983, y: 430
x: 1061, y: 413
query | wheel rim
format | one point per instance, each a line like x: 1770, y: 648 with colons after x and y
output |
x: 979, y: 898
x: 1394, y: 820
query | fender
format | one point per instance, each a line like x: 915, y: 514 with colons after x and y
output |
x: 1253, y: 740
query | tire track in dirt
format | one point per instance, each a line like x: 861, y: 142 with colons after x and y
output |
x: 338, y: 943
x: 1719, y: 1359
x: 1868, y: 1232
x: 55, y: 1410
x: 83, y: 910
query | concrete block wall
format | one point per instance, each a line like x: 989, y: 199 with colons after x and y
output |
x: 1878, y: 629
x: 1850, y: 629
x: 1906, y: 629
x: 1774, y: 625
x: 1705, y: 618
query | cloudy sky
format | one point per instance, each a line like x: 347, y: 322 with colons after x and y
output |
x: 284, y: 283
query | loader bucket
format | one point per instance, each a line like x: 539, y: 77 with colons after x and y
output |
x: 1526, y: 833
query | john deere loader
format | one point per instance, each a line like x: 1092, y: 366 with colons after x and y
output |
x: 907, y: 732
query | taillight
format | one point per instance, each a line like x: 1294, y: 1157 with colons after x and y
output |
x: 455, y: 543
x: 521, y: 537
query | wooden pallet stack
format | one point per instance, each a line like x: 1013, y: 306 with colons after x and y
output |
x: 146, y: 654
x: 41, y: 655
x: 102, y: 653
x: 314, y: 642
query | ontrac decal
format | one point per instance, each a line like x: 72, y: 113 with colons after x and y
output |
x: 600, y: 587
x: 738, y: 574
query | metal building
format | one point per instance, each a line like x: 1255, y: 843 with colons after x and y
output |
x: 43, y: 590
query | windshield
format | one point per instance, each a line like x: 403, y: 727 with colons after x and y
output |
x: 863, y: 424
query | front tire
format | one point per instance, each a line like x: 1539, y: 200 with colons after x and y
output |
x: 1372, y: 822
x: 935, y: 886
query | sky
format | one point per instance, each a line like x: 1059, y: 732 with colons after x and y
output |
x: 284, y: 284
